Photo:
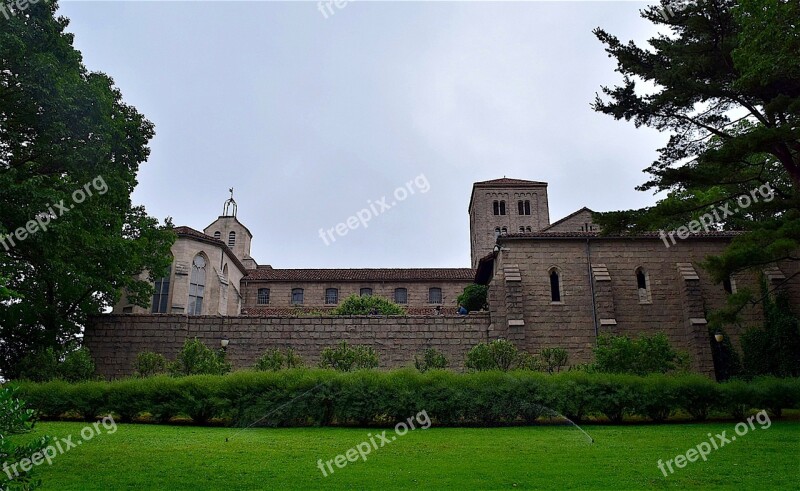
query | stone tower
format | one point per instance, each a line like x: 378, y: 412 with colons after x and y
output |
x: 230, y: 230
x: 505, y: 206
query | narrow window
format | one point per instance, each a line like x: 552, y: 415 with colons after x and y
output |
x: 297, y: 296
x: 502, y: 207
x: 263, y: 296
x: 231, y: 239
x: 161, y: 296
x: 217, y: 235
x: 497, y: 232
x: 496, y: 207
x: 435, y: 295
x: 642, y: 286
x: 366, y: 292
x: 520, y: 208
x: 400, y: 296
x: 197, y: 285
x: 729, y: 285
x: 527, y: 207
x: 331, y: 296
x: 555, y: 286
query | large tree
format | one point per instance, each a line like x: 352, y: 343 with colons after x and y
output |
x: 70, y: 149
x: 723, y: 78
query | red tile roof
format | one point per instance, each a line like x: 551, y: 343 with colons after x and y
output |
x: 508, y: 182
x: 384, y: 274
x: 266, y: 311
x: 571, y: 215
x: 642, y: 235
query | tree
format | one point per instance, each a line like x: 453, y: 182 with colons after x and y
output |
x: 474, y: 297
x: 70, y: 149
x: 727, y: 86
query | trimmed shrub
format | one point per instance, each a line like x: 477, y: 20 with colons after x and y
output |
x: 432, y: 359
x: 474, y: 298
x: 149, y: 364
x: 368, y: 305
x: 345, y: 358
x: 195, y: 358
x: 500, y: 354
x: 641, y: 356
x: 274, y: 360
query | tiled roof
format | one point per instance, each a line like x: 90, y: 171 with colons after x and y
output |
x: 266, y: 311
x: 642, y: 235
x: 385, y: 274
x: 191, y: 233
x: 559, y: 222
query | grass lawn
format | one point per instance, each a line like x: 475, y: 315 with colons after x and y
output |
x: 540, y: 457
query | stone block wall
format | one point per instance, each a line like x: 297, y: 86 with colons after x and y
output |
x: 115, y: 340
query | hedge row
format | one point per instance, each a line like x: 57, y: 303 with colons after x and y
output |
x: 323, y: 397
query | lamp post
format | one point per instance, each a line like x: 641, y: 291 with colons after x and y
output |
x: 719, y: 337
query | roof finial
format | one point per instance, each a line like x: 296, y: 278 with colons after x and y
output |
x: 230, y: 208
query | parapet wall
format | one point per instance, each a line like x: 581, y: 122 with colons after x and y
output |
x: 116, y: 340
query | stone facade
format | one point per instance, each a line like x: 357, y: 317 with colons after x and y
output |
x: 115, y: 340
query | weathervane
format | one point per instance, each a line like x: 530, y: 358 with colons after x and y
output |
x: 230, y: 208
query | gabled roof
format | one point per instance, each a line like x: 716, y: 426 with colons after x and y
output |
x: 361, y: 275
x: 566, y: 218
x: 505, y: 182
x: 190, y: 233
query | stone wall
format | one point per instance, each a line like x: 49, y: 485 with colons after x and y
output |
x: 115, y: 340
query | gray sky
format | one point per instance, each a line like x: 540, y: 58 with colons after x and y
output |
x: 311, y: 118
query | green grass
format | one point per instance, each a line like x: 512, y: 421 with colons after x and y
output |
x: 540, y: 457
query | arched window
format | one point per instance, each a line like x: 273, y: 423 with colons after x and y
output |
x: 497, y: 232
x: 263, y: 296
x: 522, y: 230
x: 496, y: 207
x: 217, y: 235
x: 366, y: 292
x: 231, y: 239
x: 524, y: 207
x: 555, y: 285
x: 400, y: 296
x: 297, y: 296
x: 161, y: 296
x: 528, y: 229
x: 197, y: 285
x: 331, y: 296
x: 435, y: 295
x: 504, y: 231
x: 642, y: 285
x: 502, y: 207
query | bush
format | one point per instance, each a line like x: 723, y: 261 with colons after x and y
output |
x: 474, y: 298
x: 275, y: 360
x: 326, y: 397
x: 554, y: 359
x: 346, y: 358
x: 16, y: 419
x: 644, y: 355
x: 149, y: 364
x: 195, y: 358
x: 500, y: 354
x: 368, y: 305
x: 432, y: 359
x: 78, y: 366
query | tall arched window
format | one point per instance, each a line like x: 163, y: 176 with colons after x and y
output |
x: 502, y: 207
x: 504, y: 231
x: 435, y: 295
x: 197, y: 285
x: 161, y: 296
x: 400, y: 296
x: 331, y: 296
x: 555, y: 285
x: 231, y: 239
x: 496, y: 207
x: 297, y: 296
x: 642, y: 285
x: 263, y: 296
x: 217, y: 235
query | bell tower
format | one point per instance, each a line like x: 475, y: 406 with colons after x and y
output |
x: 232, y: 232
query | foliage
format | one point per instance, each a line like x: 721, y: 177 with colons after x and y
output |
x: 66, y: 131
x: 149, y: 364
x: 49, y: 364
x: 326, y: 397
x: 432, y: 359
x: 554, y: 359
x: 274, y: 359
x: 499, y: 354
x: 345, y: 358
x: 474, y: 298
x: 641, y: 356
x: 775, y: 349
x: 195, y: 358
x: 722, y: 59
x: 15, y: 419
x: 368, y: 305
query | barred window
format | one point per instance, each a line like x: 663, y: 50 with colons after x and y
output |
x: 297, y: 296
x: 366, y: 292
x: 400, y: 296
x: 435, y: 295
x: 331, y: 296
x: 263, y: 296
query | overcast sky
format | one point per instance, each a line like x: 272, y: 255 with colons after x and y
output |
x: 311, y: 119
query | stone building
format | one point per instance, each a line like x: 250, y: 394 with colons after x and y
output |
x: 558, y: 284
